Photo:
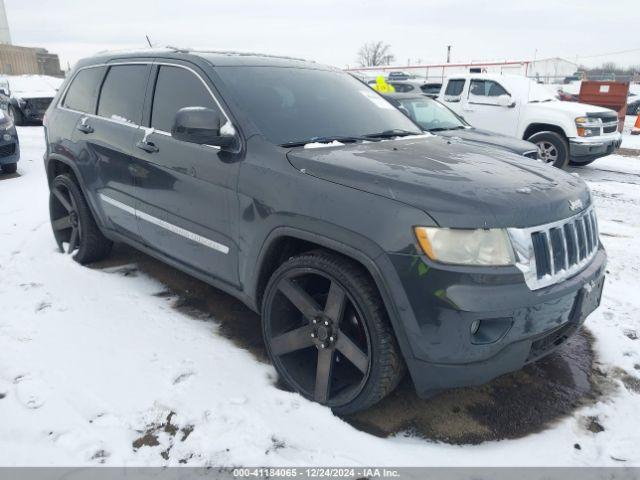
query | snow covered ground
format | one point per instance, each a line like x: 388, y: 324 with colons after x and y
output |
x: 628, y: 140
x: 95, y: 368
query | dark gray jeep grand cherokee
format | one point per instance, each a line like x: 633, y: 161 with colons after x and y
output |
x: 366, y: 245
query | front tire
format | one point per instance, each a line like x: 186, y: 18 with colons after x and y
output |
x: 74, y: 227
x: 328, y: 334
x: 9, y: 168
x: 553, y: 148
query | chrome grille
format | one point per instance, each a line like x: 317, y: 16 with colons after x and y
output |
x: 550, y: 253
x: 609, y: 121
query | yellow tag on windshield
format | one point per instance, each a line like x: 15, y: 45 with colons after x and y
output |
x: 382, y: 86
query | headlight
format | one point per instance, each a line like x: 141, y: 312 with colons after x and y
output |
x: 466, y: 247
x: 588, y: 127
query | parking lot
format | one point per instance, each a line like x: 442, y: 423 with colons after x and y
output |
x: 131, y: 362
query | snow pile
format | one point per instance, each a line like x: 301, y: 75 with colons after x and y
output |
x: 335, y: 143
x: 96, y: 367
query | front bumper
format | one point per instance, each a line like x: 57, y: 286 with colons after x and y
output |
x: 583, y: 149
x: 9, y: 147
x: 517, y: 325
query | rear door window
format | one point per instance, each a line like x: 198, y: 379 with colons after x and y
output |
x: 122, y: 93
x: 402, y: 87
x: 83, y: 90
x: 177, y: 88
x: 431, y: 88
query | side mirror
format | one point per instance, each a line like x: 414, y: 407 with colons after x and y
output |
x: 505, y: 101
x: 202, y: 126
x: 4, y: 91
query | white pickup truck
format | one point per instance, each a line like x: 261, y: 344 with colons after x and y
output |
x: 565, y: 132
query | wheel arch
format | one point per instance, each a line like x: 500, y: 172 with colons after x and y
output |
x: 57, y: 165
x: 283, y: 242
x: 534, y: 128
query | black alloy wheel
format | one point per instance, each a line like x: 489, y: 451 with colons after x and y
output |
x: 327, y: 335
x: 65, y: 221
x: 74, y: 228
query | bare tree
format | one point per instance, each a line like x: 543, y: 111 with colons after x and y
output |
x: 374, y: 54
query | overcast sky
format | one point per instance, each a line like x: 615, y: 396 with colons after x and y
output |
x: 331, y: 31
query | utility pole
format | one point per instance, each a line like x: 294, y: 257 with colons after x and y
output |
x: 448, y: 53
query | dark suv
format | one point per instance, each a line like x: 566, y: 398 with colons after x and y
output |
x: 365, y: 244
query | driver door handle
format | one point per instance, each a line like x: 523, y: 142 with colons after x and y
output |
x: 147, y: 147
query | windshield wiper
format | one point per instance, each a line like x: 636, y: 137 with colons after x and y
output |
x: 442, y: 129
x: 396, y: 132
x: 341, y: 139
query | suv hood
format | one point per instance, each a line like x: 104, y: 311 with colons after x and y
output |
x: 458, y: 185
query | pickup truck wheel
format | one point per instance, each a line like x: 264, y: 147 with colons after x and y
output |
x: 10, y: 168
x: 73, y: 225
x: 552, y: 147
x: 328, y: 334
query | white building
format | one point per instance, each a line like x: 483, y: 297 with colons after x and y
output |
x: 547, y: 70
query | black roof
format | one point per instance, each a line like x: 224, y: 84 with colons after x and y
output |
x: 215, y: 58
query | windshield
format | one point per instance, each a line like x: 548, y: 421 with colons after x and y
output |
x: 291, y: 105
x: 429, y: 114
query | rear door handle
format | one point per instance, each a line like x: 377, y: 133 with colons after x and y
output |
x: 147, y: 147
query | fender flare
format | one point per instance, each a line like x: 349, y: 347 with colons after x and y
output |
x: 53, y: 157
x: 554, y: 128
x: 352, y: 252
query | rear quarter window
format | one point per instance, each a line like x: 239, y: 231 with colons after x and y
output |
x: 122, y: 93
x: 402, y: 87
x: 83, y: 91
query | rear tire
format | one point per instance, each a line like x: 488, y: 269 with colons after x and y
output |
x: 351, y: 337
x: 9, y: 168
x: 73, y: 223
x: 552, y: 147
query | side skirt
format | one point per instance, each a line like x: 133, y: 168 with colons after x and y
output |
x: 208, y: 279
